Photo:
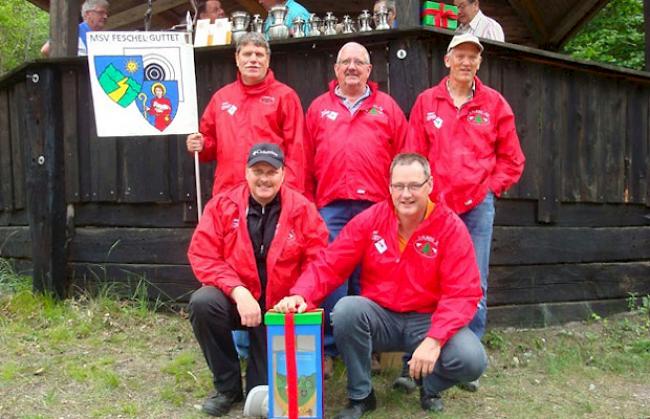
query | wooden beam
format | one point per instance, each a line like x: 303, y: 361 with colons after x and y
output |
x: 252, y: 7
x: 529, y: 14
x: 134, y: 14
x: 64, y: 19
x: 408, y: 14
x: 580, y: 14
x: 646, y: 15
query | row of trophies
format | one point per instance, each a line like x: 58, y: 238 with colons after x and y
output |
x: 314, y: 26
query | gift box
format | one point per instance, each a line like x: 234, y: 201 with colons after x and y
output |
x: 440, y: 15
x: 295, y: 364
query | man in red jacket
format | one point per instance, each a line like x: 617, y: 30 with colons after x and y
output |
x: 254, y: 107
x: 353, y: 132
x: 248, y: 250
x: 467, y: 130
x: 419, y: 290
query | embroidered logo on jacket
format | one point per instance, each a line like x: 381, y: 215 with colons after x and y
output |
x: 229, y: 107
x: 427, y: 246
x: 437, y: 121
x: 267, y: 100
x: 376, y: 110
x: 479, y: 117
x: 380, y: 243
x: 329, y: 114
x: 235, y: 223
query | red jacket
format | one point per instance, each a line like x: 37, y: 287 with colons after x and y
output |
x: 221, y: 252
x: 437, y: 273
x: 471, y: 150
x: 239, y: 116
x: 350, y: 155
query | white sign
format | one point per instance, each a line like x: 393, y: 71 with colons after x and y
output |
x: 143, y: 83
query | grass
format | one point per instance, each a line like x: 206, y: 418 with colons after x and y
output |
x: 104, y: 357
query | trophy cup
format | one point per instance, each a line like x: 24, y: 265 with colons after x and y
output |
x: 348, y: 25
x: 330, y: 24
x: 299, y: 27
x: 381, y: 19
x: 257, y: 24
x: 278, y: 29
x: 313, y: 25
x: 240, y: 22
x: 364, y: 21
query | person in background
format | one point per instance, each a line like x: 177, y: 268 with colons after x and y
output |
x: 95, y: 16
x: 294, y: 10
x: 211, y: 9
x: 248, y: 249
x: 390, y: 6
x: 472, y: 20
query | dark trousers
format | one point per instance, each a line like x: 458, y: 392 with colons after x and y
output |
x: 214, y: 316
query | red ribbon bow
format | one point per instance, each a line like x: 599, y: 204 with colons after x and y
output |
x: 442, y: 15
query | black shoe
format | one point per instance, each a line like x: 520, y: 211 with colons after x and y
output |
x: 404, y: 382
x: 471, y: 386
x: 356, y: 408
x: 431, y: 403
x: 219, y: 404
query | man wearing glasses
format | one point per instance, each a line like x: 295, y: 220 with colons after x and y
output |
x: 419, y: 290
x: 467, y: 131
x: 95, y: 16
x: 353, y: 133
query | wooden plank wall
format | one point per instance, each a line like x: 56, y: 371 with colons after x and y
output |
x: 572, y: 236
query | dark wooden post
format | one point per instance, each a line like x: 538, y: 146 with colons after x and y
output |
x: 646, y: 15
x: 408, y: 13
x: 46, y: 210
x: 64, y: 22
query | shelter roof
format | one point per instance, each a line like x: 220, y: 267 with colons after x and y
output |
x: 546, y: 24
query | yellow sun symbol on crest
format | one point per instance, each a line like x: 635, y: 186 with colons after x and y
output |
x: 131, y: 66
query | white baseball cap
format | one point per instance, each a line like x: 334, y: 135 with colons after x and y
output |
x: 463, y: 39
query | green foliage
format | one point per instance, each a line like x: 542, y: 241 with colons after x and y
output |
x: 24, y: 28
x: 614, y: 36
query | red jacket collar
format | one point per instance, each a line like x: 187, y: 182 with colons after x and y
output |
x: 258, y: 88
x: 374, y: 87
x: 441, y: 88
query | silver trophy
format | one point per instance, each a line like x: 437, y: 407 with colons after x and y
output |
x: 257, y: 24
x: 240, y: 22
x: 381, y: 19
x: 299, y: 27
x: 278, y: 29
x: 313, y: 25
x: 330, y: 24
x: 348, y: 24
x: 364, y: 21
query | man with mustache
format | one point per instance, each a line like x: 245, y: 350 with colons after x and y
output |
x: 468, y: 132
x: 248, y: 250
x: 353, y: 132
x: 419, y: 290
x: 255, y: 107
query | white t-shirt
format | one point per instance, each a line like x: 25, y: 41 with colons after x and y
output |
x: 483, y: 27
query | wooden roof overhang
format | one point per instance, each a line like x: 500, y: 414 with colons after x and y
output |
x: 546, y: 24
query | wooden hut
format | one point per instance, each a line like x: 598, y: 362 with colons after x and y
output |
x: 572, y: 238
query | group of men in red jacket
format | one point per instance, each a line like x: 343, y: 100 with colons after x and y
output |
x: 406, y: 219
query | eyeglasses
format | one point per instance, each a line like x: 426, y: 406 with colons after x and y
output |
x: 412, y: 187
x: 347, y: 62
x: 100, y: 12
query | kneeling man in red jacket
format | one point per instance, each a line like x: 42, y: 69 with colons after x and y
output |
x: 248, y: 250
x: 419, y: 290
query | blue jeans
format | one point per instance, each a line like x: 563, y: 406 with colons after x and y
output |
x: 479, y: 222
x: 361, y: 326
x: 242, y: 342
x: 336, y: 215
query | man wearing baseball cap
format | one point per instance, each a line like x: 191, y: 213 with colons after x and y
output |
x: 467, y: 131
x: 251, y: 244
